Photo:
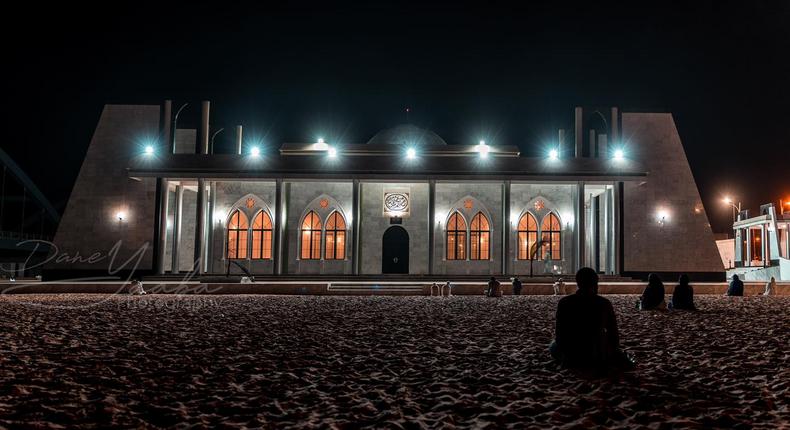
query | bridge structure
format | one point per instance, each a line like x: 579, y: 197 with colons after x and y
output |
x: 27, y: 220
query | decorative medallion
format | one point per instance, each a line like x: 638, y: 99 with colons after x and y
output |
x: 539, y: 205
x: 250, y: 203
x: 468, y: 203
x: 396, y: 203
x: 324, y: 203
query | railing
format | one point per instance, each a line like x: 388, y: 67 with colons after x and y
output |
x: 23, y: 236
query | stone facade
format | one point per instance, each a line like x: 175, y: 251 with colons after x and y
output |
x: 374, y: 224
x: 103, y: 191
x: 680, y: 240
x: 683, y: 241
x: 557, y: 199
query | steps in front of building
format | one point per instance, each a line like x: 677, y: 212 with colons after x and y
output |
x: 406, y: 279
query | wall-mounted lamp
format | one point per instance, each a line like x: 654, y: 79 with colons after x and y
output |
x: 662, y: 217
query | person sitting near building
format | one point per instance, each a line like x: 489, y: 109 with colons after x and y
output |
x: 449, y: 287
x: 736, y: 287
x: 436, y: 287
x: 683, y: 296
x: 586, y: 333
x: 770, y: 287
x: 516, y: 286
x: 494, y: 289
x: 653, y: 296
x: 559, y: 287
x: 136, y: 288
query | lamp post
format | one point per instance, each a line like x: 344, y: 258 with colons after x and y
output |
x: 213, y: 136
x: 735, y: 208
x: 175, y: 126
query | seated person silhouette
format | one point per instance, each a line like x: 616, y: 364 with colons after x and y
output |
x: 770, y: 287
x: 653, y: 296
x: 586, y: 328
x: 493, y: 289
x: 736, y: 287
x: 683, y: 296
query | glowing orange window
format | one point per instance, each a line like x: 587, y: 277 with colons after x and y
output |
x: 527, y: 236
x: 335, y: 237
x: 456, y: 237
x: 311, y: 237
x: 479, y: 238
x: 262, y: 236
x: 237, y: 235
x: 551, y: 235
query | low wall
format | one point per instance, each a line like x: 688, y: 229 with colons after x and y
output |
x: 321, y: 288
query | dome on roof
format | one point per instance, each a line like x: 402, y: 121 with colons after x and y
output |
x: 405, y: 134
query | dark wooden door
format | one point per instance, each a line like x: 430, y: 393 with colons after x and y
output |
x: 395, y: 251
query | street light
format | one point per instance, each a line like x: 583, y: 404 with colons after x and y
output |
x: 213, y: 136
x: 735, y: 207
x: 175, y: 126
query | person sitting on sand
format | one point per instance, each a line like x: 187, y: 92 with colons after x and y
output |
x: 494, y: 289
x: 586, y: 328
x: 516, y: 286
x: 653, y: 296
x: 437, y: 288
x: 683, y: 296
x: 449, y: 287
x: 136, y: 288
x: 770, y: 287
x: 736, y: 287
x: 559, y: 287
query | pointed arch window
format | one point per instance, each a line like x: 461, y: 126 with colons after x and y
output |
x: 479, y: 238
x: 456, y: 237
x: 550, y: 234
x: 237, y: 235
x: 527, y: 236
x: 262, y: 236
x: 311, y: 237
x: 335, y: 237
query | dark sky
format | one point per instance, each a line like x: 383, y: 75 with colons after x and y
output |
x: 509, y: 74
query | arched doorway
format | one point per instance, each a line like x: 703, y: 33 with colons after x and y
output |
x: 395, y: 250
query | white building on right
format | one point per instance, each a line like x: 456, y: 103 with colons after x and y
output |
x: 762, y: 244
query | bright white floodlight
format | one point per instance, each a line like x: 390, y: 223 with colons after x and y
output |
x: 255, y: 151
x: 553, y: 154
x: 332, y: 152
x: 618, y: 154
x: 411, y: 153
x: 149, y: 150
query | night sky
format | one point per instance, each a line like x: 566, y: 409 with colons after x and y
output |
x: 467, y: 71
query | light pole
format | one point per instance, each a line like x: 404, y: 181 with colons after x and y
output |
x: 735, y: 208
x: 213, y: 136
x: 175, y: 126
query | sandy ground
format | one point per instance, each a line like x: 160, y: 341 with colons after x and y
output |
x: 399, y: 362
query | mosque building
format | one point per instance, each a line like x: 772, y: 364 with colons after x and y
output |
x: 613, y: 192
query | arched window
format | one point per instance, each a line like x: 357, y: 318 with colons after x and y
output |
x: 335, y: 237
x: 237, y: 235
x: 527, y: 235
x: 456, y: 237
x: 480, y: 237
x: 550, y: 232
x: 311, y: 237
x: 262, y: 236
